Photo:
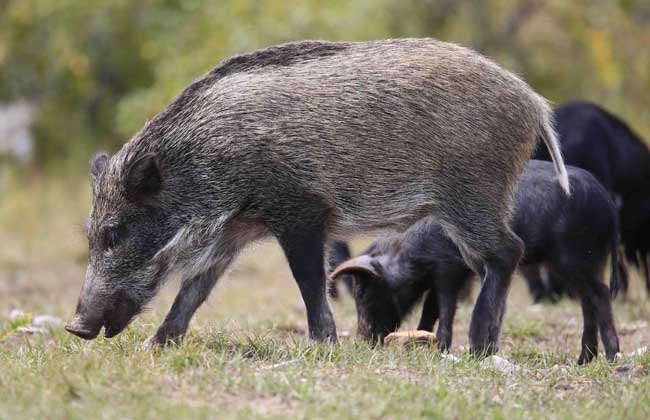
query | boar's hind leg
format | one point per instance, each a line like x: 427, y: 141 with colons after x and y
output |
x: 303, y: 244
x: 192, y: 294
x: 493, y: 251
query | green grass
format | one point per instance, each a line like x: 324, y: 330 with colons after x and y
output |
x: 225, y: 374
x: 247, y: 355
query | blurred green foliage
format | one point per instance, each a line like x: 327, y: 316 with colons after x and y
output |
x: 98, y: 69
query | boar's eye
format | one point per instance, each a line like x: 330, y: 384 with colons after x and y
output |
x: 112, y: 236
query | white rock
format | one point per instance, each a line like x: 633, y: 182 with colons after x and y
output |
x: 559, y: 369
x: 501, y: 364
x: 47, y: 321
x: 450, y: 358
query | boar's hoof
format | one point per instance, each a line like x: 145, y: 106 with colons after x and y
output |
x: 410, y: 339
x: 160, y: 339
x: 150, y: 343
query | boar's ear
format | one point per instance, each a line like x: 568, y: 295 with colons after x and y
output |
x: 98, y: 165
x: 142, y: 178
x: 362, y: 264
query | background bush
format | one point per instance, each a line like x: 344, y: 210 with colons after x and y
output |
x: 97, y: 70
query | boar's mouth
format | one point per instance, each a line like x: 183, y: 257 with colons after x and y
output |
x: 113, y: 329
x: 121, y: 315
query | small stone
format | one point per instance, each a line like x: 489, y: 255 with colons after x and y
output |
x: 559, y: 369
x: 410, y: 338
x: 501, y: 364
x: 450, y: 358
x: 47, y: 321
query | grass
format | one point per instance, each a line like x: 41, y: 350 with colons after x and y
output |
x: 247, y: 355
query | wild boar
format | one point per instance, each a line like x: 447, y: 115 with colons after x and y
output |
x: 571, y: 236
x: 598, y: 141
x: 309, y: 142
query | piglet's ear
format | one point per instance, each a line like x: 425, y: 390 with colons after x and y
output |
x: 143, y: 180
x: 363, y: 264
x: 98, y: 165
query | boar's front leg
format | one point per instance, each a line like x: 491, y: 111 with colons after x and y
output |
x: 192, y: 294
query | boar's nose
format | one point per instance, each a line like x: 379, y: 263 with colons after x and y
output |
x: 79, y: 332
x: 83, y: 330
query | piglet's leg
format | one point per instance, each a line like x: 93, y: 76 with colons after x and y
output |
x: 535, y: 283
x: 606, y: 320
x: 429, y: 312
x: 339, y: 252
x: 192, y: 294
x: 447, y: 303
x: 589, y: 329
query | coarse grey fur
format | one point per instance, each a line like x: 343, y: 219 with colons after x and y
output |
x: 308, y: 142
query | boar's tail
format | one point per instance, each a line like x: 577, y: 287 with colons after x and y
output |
x: 549, y: 136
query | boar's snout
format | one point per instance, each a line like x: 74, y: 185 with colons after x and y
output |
x: 115, y: 317
x: 84, y: 329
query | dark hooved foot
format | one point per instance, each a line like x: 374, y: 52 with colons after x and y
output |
x: 587, y: 355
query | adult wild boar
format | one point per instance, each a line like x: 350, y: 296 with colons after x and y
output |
x: 310, y: 141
